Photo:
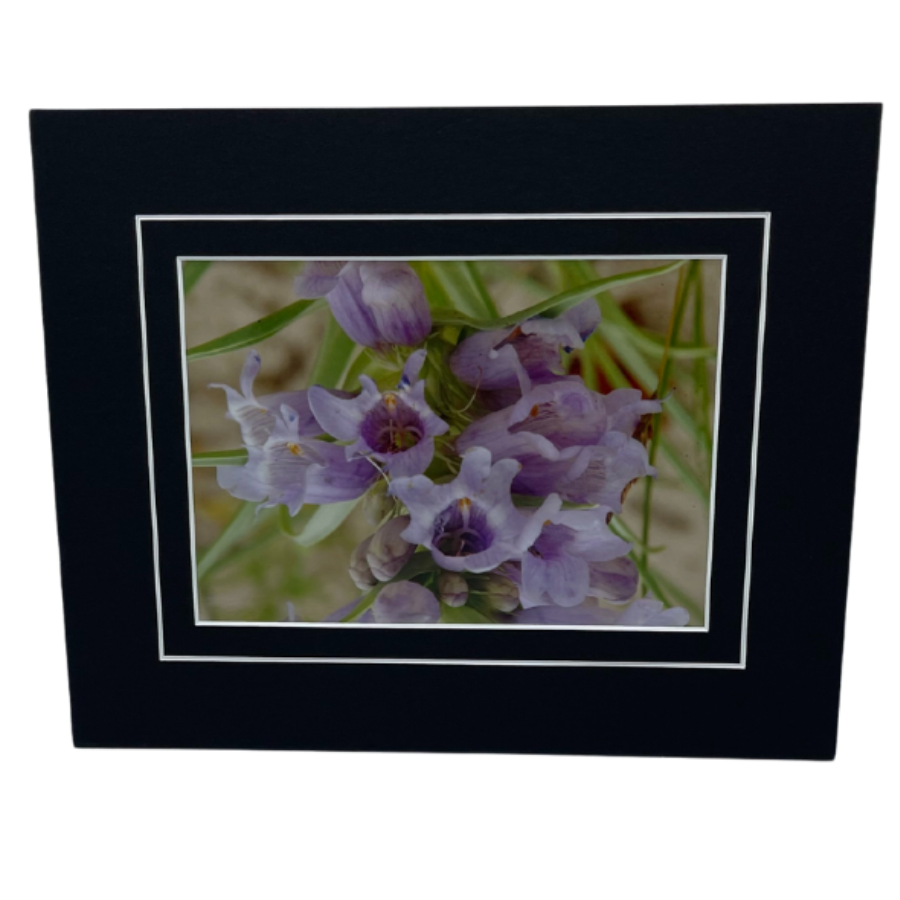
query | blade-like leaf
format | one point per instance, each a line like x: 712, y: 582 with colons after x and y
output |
x: 325, y: 520
x: 558, y: 303
x: 243, y: 521
x: 219, y: 458
x: 258, y: 331
x: 462, y: 615
x: 191, y: 272
x: 334, y: 355
x: 462, y: 285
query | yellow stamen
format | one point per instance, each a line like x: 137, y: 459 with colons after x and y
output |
x: 295, y: 449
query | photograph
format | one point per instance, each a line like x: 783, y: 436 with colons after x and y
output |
x: 453, y: 442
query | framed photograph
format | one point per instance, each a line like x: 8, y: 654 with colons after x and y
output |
x: 497, y: 430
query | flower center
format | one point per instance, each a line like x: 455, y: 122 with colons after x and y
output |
x: 462, y: 529
x: 392, y: 427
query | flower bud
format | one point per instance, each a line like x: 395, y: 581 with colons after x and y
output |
x: 377, y: 504
x: 376, y: 303
x: 359, y: 569
x: 388, y: 552
x: 500, y: 592
x: 452, y: 589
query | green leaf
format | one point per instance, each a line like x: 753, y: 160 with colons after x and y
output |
x: 462, y: 615
x: 243, y: 521
x: 462, y: 285
x: 680, y: 597
x: 475, y: 277
x: 687, y: 474
x: 648, y: 379
x: 418, y: 564
x: 434, y: 292
x: 558, y: 303
x: 324, y: 521
x: 191, y: 272
x: 258, y: 331
x: 334, y: 356
x: 219, y: 458
x: 365, y: 602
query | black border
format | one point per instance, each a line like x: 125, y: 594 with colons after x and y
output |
x: 812, y: 167
x: 741, y: 240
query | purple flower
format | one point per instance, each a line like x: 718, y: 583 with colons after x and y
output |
x: 576, y: 556
x: 470, y: 523
x: 388, y: 552
x: 525, y: 354
x: 396, y: 428
x: 405, y: 602
x: 643, y: 613
x: 376, y: 303
x: 568, y: 441
x: 290, y: 469
x: 257, y: 415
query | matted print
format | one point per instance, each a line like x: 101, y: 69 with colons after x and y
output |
x: 453, y: 442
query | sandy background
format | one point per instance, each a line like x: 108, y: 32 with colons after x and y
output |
x: 273, y: 570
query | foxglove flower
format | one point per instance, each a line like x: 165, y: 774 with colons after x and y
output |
x: 404, y: 602
x: 396, y: 428
x: 292, y: 469
x: 566, y: 438
x: 470, y: 523
x: 528, y: 353
x: 644, y: 613
x: 376, y: 303
x: 576, y: 556
x: 257, y: 416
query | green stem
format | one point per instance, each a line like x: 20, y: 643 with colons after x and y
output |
x: 219, y: 458
x: 685, y: 280
x: 367, y: 600
x: 701, y: 374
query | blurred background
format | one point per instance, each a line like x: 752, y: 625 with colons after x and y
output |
x: 657, y: 335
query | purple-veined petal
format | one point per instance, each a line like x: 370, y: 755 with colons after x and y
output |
x: 347, y: 306
x: 405, y: 602
x: 562, y: 581
x: 396, y: 299
x: 337, y: 416
x: 558, y: 615
x: 482, y: 361
x: 410, y: 462
x: 585, y: 317
x: 241, y: 481
x: 614, y: 579
x: 387, y: 552
x: 650, y: 613
x: 256, y: 416
x: 625, y: 407
x: 319, y: 278
x: 412, y: 368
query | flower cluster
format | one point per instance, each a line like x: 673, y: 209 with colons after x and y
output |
x: 494, y: 474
